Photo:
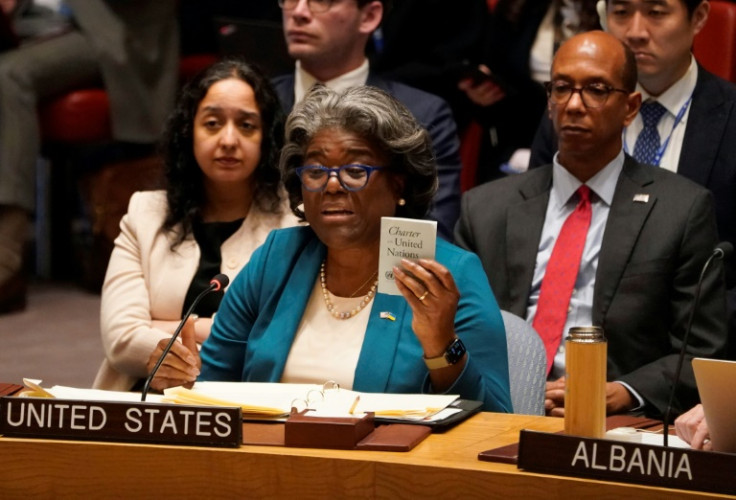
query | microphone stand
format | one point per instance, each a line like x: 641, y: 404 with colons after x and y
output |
x: 218, y: 282
x: 720, y: 251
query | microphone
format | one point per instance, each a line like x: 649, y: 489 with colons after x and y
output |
x: 723, y: 250
x: 217, y: 283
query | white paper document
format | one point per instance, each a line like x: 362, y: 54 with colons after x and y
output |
x: 411, y: 239
x: 274, y: 401
x: 644, y: 436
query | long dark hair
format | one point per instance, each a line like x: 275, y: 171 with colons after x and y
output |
x: 185, y: 180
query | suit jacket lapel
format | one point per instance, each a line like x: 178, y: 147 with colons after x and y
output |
x: 706, y: 124
x: 380, y: 343
x: 288, y: 313
x: 524, y: 222
x: 284, y: 86
x: 625, y: 221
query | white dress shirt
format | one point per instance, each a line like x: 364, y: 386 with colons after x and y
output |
x: 303, y: 81
x: 561, y: 204
x: 675, y: 99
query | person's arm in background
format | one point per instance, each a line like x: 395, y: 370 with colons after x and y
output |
x: 482, y: 90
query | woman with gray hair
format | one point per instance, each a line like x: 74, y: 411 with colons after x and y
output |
x: 305, y: 308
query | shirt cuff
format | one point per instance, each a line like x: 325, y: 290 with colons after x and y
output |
x: 635, y: 394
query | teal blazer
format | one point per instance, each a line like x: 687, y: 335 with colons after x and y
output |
x: 261, y: 311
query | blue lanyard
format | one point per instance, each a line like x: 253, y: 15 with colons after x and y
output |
x: 663, y: 147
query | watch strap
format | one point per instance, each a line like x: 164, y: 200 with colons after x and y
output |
x: 453, y: 353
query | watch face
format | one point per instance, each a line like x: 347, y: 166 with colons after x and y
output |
x: 455, y: 351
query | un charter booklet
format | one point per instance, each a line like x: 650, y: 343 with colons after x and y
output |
x: 411, y: 239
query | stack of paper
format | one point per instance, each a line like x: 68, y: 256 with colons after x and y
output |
x: 274, y: 401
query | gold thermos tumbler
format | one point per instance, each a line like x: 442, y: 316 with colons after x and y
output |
x: 585, y: 382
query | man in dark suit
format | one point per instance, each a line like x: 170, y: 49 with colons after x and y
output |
x: 649, y: 233
x: 328, y: 41
x: 701, y: 146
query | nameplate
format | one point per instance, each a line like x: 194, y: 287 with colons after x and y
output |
x: 627, y: 462
x: 120, y: 421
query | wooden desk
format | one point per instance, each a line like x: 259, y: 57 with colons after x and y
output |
x: 443, y: 466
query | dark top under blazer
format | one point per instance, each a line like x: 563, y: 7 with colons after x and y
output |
x: 648, y: 268
x: 435, y: 115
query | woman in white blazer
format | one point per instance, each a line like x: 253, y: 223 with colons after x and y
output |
x: 223, y: 197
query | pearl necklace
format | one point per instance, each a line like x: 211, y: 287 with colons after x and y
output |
x: 331, y: 307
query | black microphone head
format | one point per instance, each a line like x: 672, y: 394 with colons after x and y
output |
x: 725, y: 249
x: 220, y: 281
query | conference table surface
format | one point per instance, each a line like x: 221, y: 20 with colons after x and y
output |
x: 442, y: 466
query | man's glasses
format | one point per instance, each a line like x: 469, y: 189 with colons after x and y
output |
x: 594, y: 95
x: 352, y: 177
x: 315, y: 6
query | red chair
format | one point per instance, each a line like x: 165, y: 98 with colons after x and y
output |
x: 715, y: 46
x: 82, y: 116
x: 69, y: 123
x: 470, y: 143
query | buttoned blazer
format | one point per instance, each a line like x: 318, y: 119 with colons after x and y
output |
x: 146, y: 281
x: 653, y: 249
x: 259, y: 317
x: 435, y: 115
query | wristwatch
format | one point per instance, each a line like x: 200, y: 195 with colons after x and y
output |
x: 454, y: 353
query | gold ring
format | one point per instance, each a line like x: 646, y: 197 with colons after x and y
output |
x: 424, y: 295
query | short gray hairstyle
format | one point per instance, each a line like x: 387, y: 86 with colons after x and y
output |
x: 375, y: 116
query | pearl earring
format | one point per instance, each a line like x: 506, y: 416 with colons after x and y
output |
x: 401, y: 202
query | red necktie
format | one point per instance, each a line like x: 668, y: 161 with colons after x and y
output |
x: 559, y: 279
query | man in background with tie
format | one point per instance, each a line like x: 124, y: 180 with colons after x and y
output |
x: 328, y: 39
x: 687, y: 123
x: 596, y: 238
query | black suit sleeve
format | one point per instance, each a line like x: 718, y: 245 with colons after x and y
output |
x: 463, y: 229
x: 707, y: 338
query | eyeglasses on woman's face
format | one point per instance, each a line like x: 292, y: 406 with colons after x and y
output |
x: 352, y: 177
